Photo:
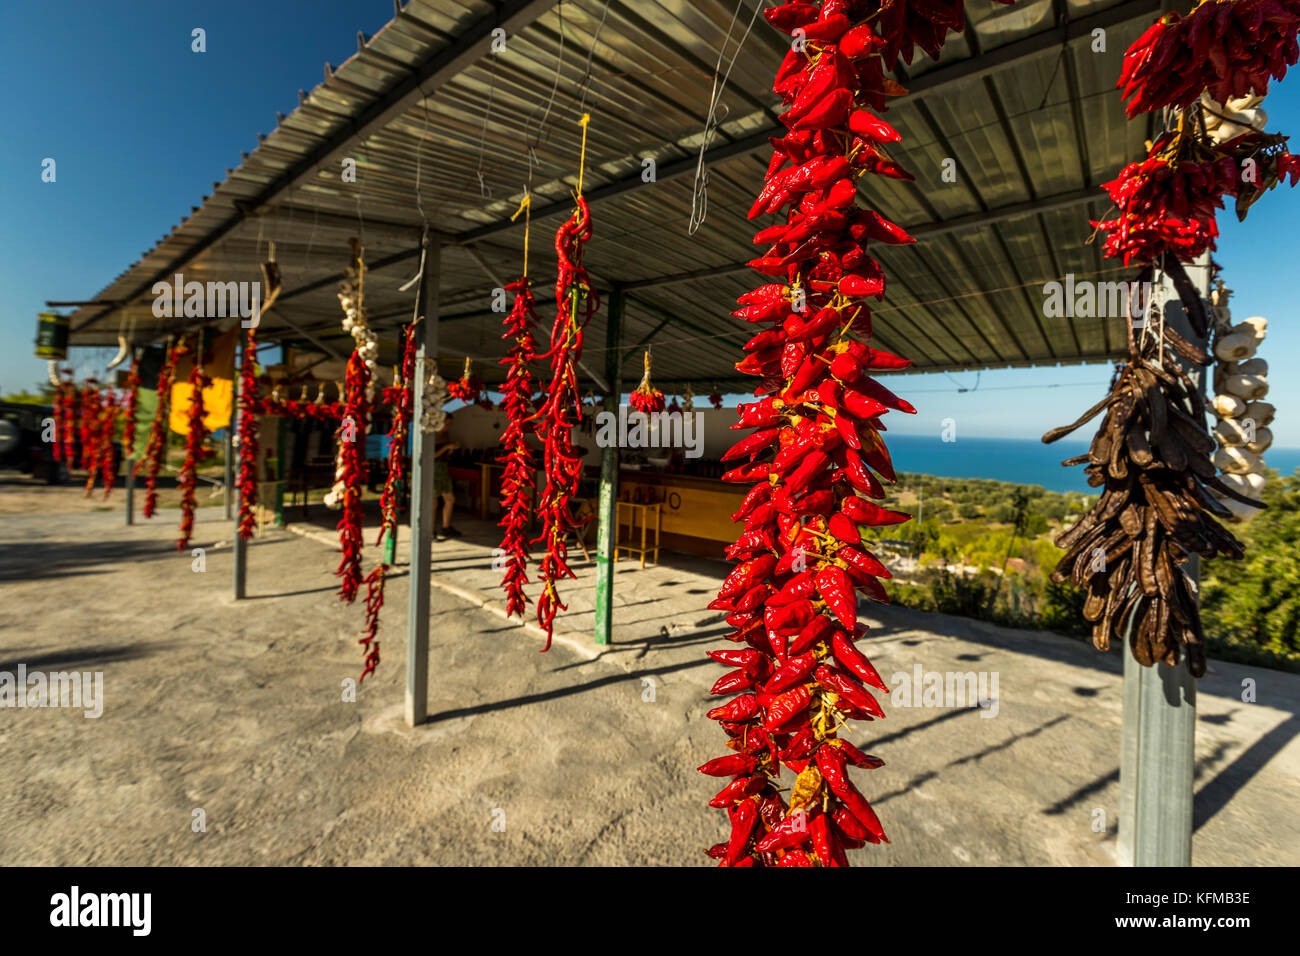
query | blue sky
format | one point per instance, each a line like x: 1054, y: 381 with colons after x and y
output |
x: 140, y: 128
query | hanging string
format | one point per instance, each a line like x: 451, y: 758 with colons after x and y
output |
x: 419, y: 204
x: 555, y: 85
x: 700, y: 189
x: 585, y: 83
x: 582, y: 158
x: 484, y: 191
x: 419, y: 157
x: 526, y: 207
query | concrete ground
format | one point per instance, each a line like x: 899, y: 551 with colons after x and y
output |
x: 574, y: 757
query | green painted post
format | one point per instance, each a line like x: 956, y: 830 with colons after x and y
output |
x: 390, y: 547
x: 607, y: 508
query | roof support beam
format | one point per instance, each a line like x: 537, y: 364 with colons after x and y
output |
x: 512, y: 15
x: 929, y: 230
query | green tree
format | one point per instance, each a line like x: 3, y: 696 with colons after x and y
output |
x: 968, y: 509
x: 43, y: 395
x: 1256, y: 601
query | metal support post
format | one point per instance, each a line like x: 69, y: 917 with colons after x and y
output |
x: 607, y: 508
x: 422, y: 503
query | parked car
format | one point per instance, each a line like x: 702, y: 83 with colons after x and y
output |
x: 21, y: 447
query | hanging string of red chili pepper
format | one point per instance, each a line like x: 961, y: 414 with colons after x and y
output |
x: 815, y: 451
x: 156, y: 449
x: 647, y: 398
x: 130, y: 408
x: 517, y: 483
x: 402, y: 400
x: 1228, y: 48
x: 469, y: 388
x: 351, y: 436
x: 577, y: 301
x: 98, y: 439
x: 61, y: 415
x: 374, y: 604
x: 246, y: 481
x: 88, y: 423
x: 1212, y: 68
x: 350, y: 471
x: 106, y: 459
x: 195, y: 437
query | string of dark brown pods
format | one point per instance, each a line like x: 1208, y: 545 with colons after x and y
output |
x: 1152, y: 452
x: 793, y: 599
x: 1152, y: 458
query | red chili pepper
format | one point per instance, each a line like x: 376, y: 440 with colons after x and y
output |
x: 752, y: 444
x: 821, y: 840
x: 798, y: 588
x: 816, y: 630
x: 746, y: 575
x: 788, y: 618
x: 738, y: 789
x: 793, y: 671
x: 812, y: 465
x: 744, y: 817
x: 863, y: 563
x: 847, y: 688
x: 787, y: 707
x: 755, y: 471
x: 864, y: 124
x: 865, y: 512
x: 732, y: 765
x: 732, y: 682
x: 856, y: 757
x: 836, y: 590
x: 794, y: 857
x: 790, y: 832
x: 741, y: 708
x: 828, y: 111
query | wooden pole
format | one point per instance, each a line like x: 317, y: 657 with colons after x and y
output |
x: 422, y: 502
x: 607, y: 515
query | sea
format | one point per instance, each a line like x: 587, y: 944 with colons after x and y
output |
x: 1025, y: 461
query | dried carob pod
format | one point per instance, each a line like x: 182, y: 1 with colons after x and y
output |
x: 1151, y: 459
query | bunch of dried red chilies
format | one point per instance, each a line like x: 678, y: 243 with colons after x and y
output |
x: 517, y: 483
x: 156, y: 449
x: 577, y: 301
x: 1228, y: 47
x: 815, y: 451
x: 246, y: 480
x: 195, y: 438
x: 352, y: 462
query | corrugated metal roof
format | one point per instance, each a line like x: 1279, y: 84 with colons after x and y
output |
x: 1021, y: 102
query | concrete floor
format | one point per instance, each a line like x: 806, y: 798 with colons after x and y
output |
x: 574, y: 757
